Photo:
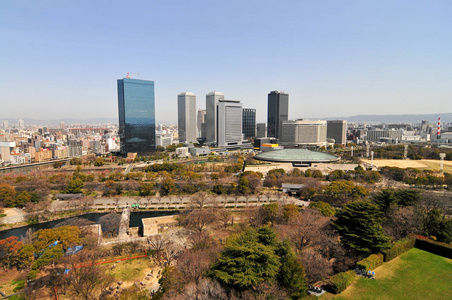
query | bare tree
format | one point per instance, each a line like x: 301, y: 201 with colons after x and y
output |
x: 315, y: 266
x: 402, y: 221
x: 199, y: 219
x: 110, y: 222
x: 192, y: 265
x: 236, y: 199
x: 225, y: 216
x: 201, y: 241
x: 28, y: 237
x: 181, y: 199
x: 205, y: 289
x: 268, y: 195
x: 200, y: 200
x: 171, y: 251
x: 304, y: 229
x: 88, y: 281
x: 157, y: 242
x: 86, y: 202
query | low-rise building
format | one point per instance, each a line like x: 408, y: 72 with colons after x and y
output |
x: 182, y: 152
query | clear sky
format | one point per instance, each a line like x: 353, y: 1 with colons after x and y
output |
x: 61, y: 58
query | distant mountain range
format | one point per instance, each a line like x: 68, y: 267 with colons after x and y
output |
x: 432, y: 118
x: 28, y: 121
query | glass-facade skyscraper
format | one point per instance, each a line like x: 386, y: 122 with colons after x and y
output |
x: 136, y: 106
x: 249, y: 123
x: 277, y: 112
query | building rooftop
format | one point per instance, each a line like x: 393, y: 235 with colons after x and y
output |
x: 296, y: 156
x: 215, y: 93
x: 187, y: 94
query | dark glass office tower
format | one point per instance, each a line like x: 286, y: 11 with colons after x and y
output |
x: 136, y: 115
x: 249, y: 122
x: 277, y: 112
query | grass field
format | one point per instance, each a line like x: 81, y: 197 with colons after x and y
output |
x: 423, y: 164
x: 131, y: 270
x: 416, y: 274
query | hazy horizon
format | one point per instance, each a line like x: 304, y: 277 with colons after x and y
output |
x: 335, y: 59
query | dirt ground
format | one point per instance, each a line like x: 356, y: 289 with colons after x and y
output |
x: 7, y: 278
x: 11, y: 212
x: 324, y: 168
x: 430, y: 164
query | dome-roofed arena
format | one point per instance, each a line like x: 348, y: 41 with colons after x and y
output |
x: 298, y: 157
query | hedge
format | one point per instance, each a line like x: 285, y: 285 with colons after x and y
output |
x: 398, y: 248
x: 370, y: 262
x: 435, y: 247
x: 341, y: 281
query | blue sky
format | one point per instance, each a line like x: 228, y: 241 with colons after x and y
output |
x: 334, y: 58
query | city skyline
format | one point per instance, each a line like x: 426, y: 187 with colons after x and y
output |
x: 335, y: 59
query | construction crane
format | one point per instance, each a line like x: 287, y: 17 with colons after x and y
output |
x: 132, y: 75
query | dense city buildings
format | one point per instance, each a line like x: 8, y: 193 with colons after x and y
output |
x: 277, y: 112
x: 337, y: 130
x: 212, y: 99
x: 136, y: 103
x: 229, y: 128
x: 186, y: 112
x: 249, y: 123
x: 304, y: 133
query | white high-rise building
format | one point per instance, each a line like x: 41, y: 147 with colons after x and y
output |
x: 186, y: 104
x: 201, y: 119
x: 229, y: 130
x: 212, y: 99
x: 21, y: 123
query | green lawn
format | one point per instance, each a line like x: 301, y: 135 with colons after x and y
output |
x: 415, y: 274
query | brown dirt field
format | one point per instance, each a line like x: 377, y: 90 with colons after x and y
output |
x: 430, y: 164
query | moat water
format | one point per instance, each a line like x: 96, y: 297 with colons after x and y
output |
x: 135, y: 221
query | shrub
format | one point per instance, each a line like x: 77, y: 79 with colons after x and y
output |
x: 20, y: 285
x: 370, y: 262
x: 398, y: 248
x: 437, y: 248
x: 32, y: 274
x: 341, y: 281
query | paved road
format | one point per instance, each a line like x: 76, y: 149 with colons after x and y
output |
x: 155, y: 202
x: 182, y: 201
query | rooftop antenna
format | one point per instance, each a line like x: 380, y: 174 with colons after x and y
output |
x: 132, y: 75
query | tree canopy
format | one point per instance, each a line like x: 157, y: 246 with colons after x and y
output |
x: 359, y: 225
x: 256, y: 257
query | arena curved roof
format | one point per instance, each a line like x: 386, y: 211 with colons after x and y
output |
x: 296, y: 156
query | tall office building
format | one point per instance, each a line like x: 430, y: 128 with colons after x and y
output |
x: 229, y: 128
x: 5, y: 124
x: 249, y: 123
x: 261, y: 130
x: 277, y: 112
x: 186, y: 108
x: 212, y: 99
x: 136, y: 103
x: 21, y: 123
x: 201, y: 119
x: 337, y: 130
